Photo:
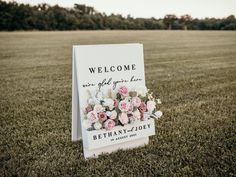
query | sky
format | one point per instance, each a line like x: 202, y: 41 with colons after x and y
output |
x: 152, y: 8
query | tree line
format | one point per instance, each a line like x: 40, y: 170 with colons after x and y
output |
x: 16, y: 16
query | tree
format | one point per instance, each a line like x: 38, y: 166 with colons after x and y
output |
x: 230, y: 23
x: 14, y: 16
x: 169, y: 20
x: 84, y: 10
x: 185, y: 20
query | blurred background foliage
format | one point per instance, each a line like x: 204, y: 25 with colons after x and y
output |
x: 15, y: 16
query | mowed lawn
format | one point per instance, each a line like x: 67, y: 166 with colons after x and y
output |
x: 193, y: 72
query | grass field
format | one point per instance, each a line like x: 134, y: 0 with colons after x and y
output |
x: 193, y: 72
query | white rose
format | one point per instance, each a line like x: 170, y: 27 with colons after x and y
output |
x: 86, y: 124
x: 109, y: 102
x: 97, y: 125
x: 108, y: 113
x: 98, y: 108
x: 151, y: 105
x: 113, y: 114
x: 158, y: 114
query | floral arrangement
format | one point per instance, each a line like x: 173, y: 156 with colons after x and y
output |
x: 120, y: 107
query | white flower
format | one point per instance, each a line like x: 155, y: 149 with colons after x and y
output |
x: 151, y: 105
x: 98, y: 108
x: 108, y: 113
x: 97, y: 125
x: 109, y: 103
x: 113, y: 114
x: 142, y: 91
x: 86, y: 124
x: 158, y: 114
x: 158, y: 101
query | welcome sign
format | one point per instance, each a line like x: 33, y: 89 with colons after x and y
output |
x: 110, y: 106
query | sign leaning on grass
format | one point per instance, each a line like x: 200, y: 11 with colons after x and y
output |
x: 111, y: 107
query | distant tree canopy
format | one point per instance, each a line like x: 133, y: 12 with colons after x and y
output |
x: 14, y: 16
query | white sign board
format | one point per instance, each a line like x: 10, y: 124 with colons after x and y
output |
x: 103, y: 69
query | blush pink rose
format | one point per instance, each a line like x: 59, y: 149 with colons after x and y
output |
x: 136, y: 101
x: 123, y: 118
x: 136, y: 115
x: 142, y: 107
x: 102, y: 116
x: 124, y: 105
x: 98, y: 108
x: 109, y: 124
x: 116, y: 103
x: 92, y: 116
x: 123, y: 91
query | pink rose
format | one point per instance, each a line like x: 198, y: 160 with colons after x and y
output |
x: 136, y: 101
x: 123, y: 91
x: 151, y: 105
x: 124, y: 105
x: 123, y: 118
x: 109, y: 124
x: 116, y: 103
x: 102, y: 116
x: 135, y: 116
x: 88, y: 109
x: 142, y: 107
x: 92, y: 116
